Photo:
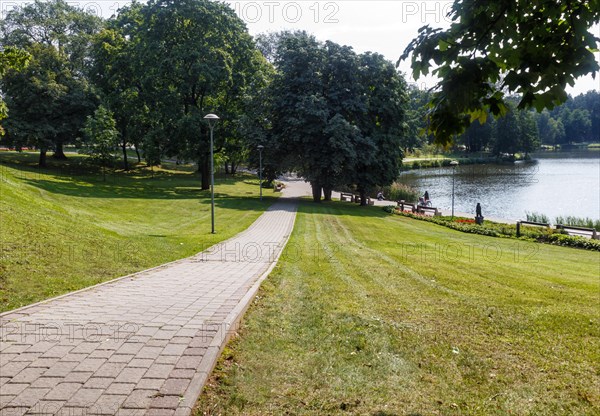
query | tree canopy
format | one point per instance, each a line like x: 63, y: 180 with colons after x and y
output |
x: 51, y: 98
x: 163, y: 65
x: 11, y: 58
x: 530, y: 48
x: 337, y: 117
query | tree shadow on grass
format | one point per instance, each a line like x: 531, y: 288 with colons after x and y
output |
x: 67, y: 178
x: 340, y: 208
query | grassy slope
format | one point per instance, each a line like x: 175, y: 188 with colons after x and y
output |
x: 62, y: 229
x: 384, y: 315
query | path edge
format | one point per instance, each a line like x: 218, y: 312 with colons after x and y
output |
x: 223, y: 335
x: 136, y: 274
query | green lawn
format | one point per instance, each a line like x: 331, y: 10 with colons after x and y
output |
x: 63, y: 228
x: 373, y: 314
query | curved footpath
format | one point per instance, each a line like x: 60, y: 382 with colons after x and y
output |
x: 144, y: 344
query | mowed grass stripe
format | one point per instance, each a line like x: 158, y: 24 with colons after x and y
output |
x: 382, y: 329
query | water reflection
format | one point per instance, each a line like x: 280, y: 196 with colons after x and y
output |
x: 550, y: 185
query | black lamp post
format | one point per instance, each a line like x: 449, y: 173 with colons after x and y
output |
x: 212, y: 121
x: 260, y: 148
x: 454, y: 164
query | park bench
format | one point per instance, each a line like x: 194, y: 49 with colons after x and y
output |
x: 585, y: 232
x: 404, y: 206
x: 357, y: 200
x: 346, y: 197
x: 535, y: 224
x: 424, y: 210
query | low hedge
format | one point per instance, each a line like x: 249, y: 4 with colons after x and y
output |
x: 494, y: 229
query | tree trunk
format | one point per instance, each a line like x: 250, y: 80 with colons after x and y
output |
x: 327, y: 193
x: 226, y: 168
x: 42, y: 160
x: 233, y: 168
x: 205, y: 173
x: 316, y: 191
x: 363, y: 198
x: 59, y: 153
x: 137, y: 152
x: 125, y: 161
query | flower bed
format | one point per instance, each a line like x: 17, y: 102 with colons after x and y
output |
x: 494, y: 229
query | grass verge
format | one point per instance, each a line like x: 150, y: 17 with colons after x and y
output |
x: 64, y: 228
x: 372, y: 314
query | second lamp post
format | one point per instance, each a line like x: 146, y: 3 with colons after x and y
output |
x: 454, y: 164
x: 260, y: 148
x: 212, y: 121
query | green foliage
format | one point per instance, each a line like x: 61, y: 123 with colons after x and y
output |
x: 382, y: 125
x: 163, y: 65
x: 336, y: 117
x: 437, y: 163
x: 551, y: 131
x: 491, y: 229
x: 576, y: 121
x: 51, y: 98
x: 101, y: 137
x: 574, y: 241
x: 399, y: 191
x: 11, y: 58
x: 416, y: 136
x: 520, y: 47
x: 537, y: 217
x: 578, y: 222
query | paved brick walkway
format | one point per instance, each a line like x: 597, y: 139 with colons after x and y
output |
x: 141, y: 345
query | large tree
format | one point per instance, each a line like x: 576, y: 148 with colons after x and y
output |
x: 338, y: 117
x: 101, y: 138
x: 52, y: 97
x: 531, y: 48
x: 177, y: 60
x: 299, y: 110
x: 116, y: 75
x: 382, y: 125
x: 11, y: 58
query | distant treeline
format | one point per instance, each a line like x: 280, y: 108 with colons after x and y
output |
x: 576, y: 121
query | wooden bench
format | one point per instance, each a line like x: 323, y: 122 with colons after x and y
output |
x: 356, y: 198
x: 535, y: 224
x: 423, y: 210
x: 346, y: 197
x: 404, y: 206
x: 585, y: 232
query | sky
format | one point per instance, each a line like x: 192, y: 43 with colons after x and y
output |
x: 385, y: 26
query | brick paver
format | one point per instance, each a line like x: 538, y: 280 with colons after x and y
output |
x: 144, y: 344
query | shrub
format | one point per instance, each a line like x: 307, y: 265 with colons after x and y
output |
x: 492, y: 229
x: 578, y: 222
x: 574, y: 241
x: 537, y: 217
x: 400, y: 191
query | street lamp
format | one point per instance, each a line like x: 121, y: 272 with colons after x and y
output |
x: 212, y: 121
x: 454, y: 164
x: 260, y: 148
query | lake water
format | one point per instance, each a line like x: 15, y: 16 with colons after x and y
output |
x: 553, y: 184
